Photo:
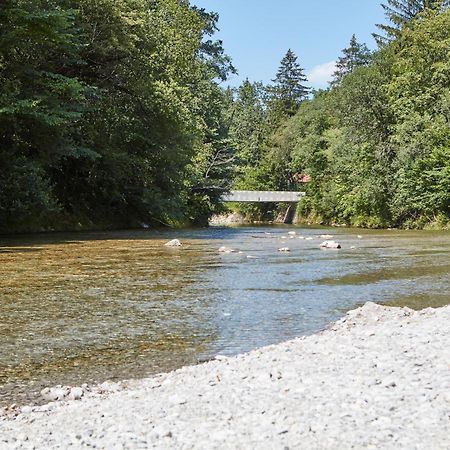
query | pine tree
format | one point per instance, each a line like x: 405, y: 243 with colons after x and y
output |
x: 289, y: 89
x: 400, y: 12
x: 356, y: 55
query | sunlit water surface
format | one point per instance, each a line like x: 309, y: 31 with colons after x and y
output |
x: 88, y: 307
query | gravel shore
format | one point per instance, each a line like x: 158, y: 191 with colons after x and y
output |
x: 378, y: 378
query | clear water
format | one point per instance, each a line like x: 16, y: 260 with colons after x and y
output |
x: 86, y: 307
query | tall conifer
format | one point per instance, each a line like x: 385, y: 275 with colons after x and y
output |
x: 289, y: 89
x: 400, y: 12
x: 356, y: 55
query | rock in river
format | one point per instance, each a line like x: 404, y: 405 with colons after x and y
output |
x: 226, y: 250
x: 173, y: 243
x: 330, y: 244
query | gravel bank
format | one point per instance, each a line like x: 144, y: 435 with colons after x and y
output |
x: 379, y: 378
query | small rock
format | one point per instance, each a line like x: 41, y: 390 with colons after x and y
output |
x: 55, y: 394
x: 26, y: 410
x: 173, y: 243
x: 109, y: 386
x: 389, y: 383
x: 330, y: 244
x: 226, y: 250
x: 76, y: 393
x: 48, y: 407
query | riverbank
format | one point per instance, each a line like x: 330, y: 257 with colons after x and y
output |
x: 236, y: 218
x: 378, y: 378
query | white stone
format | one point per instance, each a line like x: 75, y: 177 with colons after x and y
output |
x: 57, y: 393
x: 226, y: 250
x: 336, y: 389
x: 26, y: 409
x: 110, y: 386
x: 173, y: 243
x: 330, y: 244
x: 76, y: 393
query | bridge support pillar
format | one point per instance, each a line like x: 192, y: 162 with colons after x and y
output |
x: 290, y: 213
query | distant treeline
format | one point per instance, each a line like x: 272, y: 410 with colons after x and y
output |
x: 376, y: 144
x: 112, y: 114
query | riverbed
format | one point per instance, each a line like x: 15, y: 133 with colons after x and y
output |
x: 86, y: 307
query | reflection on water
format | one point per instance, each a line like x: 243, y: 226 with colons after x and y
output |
x: 93, y: 306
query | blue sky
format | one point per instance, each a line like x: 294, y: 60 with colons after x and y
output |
x: 257, y: 33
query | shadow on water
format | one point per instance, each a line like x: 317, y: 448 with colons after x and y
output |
x: 85, y: 307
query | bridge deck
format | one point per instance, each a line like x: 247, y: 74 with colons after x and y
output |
x: 263, y: 196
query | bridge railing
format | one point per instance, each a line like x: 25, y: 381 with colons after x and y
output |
x: 263, y: 196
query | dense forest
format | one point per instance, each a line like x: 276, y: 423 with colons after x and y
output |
x: 375, y: 145
x: 113, y: 114
x: 110, y: 113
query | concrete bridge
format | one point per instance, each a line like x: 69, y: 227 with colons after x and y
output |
x: 267, y: 197
x: 263, y: 197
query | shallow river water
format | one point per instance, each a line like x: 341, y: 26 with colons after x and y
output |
x: 87, y: 307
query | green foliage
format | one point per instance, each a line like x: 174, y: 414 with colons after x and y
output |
x: 248, y: 126
x: 289, y: 89
x: 112, y: 114
x: 354, y: 56
x: 423, y: 189
x: 376, y: 145
x: 400, y: 12
x: 106, y: 106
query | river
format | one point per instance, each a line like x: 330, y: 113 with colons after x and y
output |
x: 87, y: 307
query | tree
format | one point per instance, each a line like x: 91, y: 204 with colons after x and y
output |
x: 354, y: 56
x: 41, y: 106
x: 289, y: 89
x: 249, y: 123
x: 400, y: 12
x: 212, y: 51
x: 105, y: 107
